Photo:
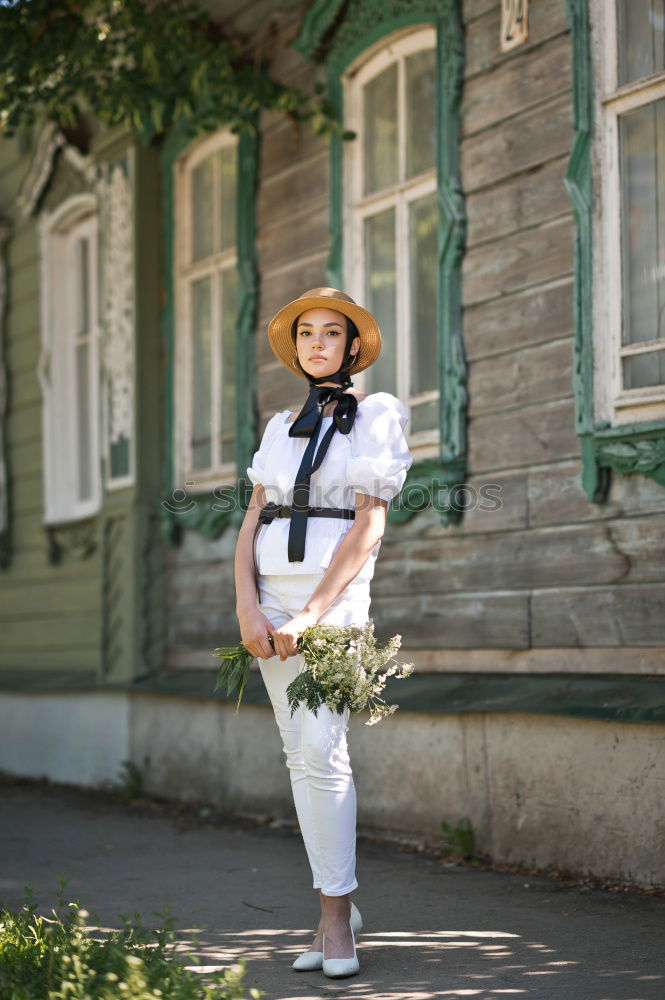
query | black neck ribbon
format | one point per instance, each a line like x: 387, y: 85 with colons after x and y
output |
x: 307, y: 424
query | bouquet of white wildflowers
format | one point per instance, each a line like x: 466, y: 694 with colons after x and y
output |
x: 343, y: 666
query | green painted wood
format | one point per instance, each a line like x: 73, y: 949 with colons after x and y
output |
x: 51, y: 630
x: 24, y: 435
x: 66, y: 658
x: 52, y: 595
x: 365, y: 22
x: 25, y: 287
x: 23, y: 251
x: 211, y: 513
x: 632, y: 448
x: 617, y: 699
x: 10, y: 154
x: 5, y: 498
x: 175, y: 141
x: 623, y: 699
x: 247, y: 414
x: 62, y: 573
x: 133, y: 580
x: 453, y: 395
x: 19, y: 329
x: 317, y: 21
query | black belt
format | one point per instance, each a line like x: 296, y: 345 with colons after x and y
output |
x: 273, y: 510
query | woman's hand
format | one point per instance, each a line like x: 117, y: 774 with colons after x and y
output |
x: 254, y: 631
x: 286, y: 636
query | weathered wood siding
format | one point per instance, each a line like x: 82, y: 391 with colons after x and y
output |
x: 49, y: 615
x: 548, y: 569
x: 292, y: 247
x: 545, y: 571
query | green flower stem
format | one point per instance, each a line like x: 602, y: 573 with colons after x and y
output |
x: 342, y: 667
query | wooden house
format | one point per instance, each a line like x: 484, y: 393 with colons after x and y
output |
x: 500, y: 210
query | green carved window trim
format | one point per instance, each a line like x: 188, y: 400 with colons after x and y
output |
x: 629, y: 448
x: 430, y: 482
x: 211, y: 512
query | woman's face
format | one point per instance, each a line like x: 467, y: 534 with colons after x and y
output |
x: 321, y: 339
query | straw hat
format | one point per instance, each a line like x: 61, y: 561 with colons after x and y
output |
x: 282, y: 343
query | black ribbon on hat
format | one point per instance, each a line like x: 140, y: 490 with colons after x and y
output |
x: 307, y: 424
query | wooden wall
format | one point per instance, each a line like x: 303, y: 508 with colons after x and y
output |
x: 49, y: 615
x: 292, y: 248
x: 548, y: 569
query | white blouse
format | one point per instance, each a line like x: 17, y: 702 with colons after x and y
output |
x: 372, y: 458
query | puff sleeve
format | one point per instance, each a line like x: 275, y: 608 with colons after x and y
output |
x: 256, y: 471
x: 380, y: 456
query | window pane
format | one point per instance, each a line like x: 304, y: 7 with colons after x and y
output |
x: 421, y: 112
x: 203, y: 234
x: 83, y: 421
x: 642, y: 148
x: 83, y: 268
x: 424, y: 416
x: 119, y: 457
x: 201, y: 372
x: 423, y: 233
x: 380, y: 131
x: 644, y: 370
x: 380, y: 296
x: 229, y: 310
x: 641, y: 38
x: 228, y: 181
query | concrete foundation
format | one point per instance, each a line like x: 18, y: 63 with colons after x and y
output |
x: 578, y: 794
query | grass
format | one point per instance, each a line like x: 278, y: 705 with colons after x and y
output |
x: 460, y: 840
x: 56, y: 958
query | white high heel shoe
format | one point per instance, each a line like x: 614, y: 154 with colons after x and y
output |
x: 336, y: 967
x: 310, y: 960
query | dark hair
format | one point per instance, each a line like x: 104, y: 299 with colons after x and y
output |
x: 351, y: 333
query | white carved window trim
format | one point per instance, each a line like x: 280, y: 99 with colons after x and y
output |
x: 186, y: 272
x: 59, y: 231
x: 116, y: 190
x: 357, y: 207
x: 614, y: 405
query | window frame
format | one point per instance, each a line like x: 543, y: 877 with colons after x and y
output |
x: 386, y: 52
x: 56, y: 369
x: 185, y: 272
x: 612, y: 403
x: 636, y: 447
x: 441, y: 467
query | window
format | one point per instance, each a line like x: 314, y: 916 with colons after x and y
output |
x: 206, y: 292
x: 69, y: 363
x: 629, y: 168
x: 391, y: 216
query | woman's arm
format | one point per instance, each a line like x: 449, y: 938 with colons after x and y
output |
x: 367, y: 528
x: 254, y: 626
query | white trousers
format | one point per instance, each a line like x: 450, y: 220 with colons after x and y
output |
x: 315, y: 745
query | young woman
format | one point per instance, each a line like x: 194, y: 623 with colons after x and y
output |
x: 323, y: 479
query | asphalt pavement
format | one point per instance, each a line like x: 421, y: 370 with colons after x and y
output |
x: 431, y: 928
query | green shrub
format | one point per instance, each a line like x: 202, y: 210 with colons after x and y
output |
x: 51, y: 958
x: 460, y: 840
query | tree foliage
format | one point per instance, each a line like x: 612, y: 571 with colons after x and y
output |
x: 149, y: 63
